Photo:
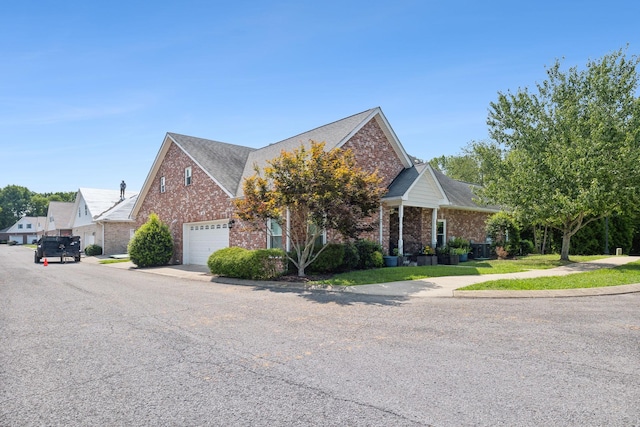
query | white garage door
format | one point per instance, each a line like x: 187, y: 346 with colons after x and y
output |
x: 204, y: 238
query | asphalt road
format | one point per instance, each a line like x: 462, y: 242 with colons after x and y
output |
x: 88, y: 345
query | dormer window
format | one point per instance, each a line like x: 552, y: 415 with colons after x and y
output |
x: 187, y: 176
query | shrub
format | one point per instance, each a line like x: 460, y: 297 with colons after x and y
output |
x: 351, y: 257
x: 152, y: 244
x: 242, y: 263
x: 93, y: 250
x: 377, y: 260
x: 366, y: 251
x: 504, y: 233
x: 330, y: 259
x: 526, y: 247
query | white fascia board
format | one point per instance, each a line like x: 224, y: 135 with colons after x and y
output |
x: 152, y: 173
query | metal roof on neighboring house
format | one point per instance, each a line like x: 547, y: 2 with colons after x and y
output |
x: 100, y: 201
x: 120, y: 212
x: 224, y: 162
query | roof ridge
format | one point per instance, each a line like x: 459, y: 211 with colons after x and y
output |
x: 320, y: 127
x: 209, y: 140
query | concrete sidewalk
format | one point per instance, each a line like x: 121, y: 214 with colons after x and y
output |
x: 434, y: 287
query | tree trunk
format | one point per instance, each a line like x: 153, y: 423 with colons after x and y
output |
x: 566, y: 240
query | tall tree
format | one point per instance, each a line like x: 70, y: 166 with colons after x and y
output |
x: 15, y: 202
x: 571, y: 148
x: 470, y: 165
x: 318, y: 190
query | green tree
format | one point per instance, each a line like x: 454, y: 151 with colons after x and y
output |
x: 318, y: 190
x: 14, y: 203
x: 570, y: 152
x: 152, y: 244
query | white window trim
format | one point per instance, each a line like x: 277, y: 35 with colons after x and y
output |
x: 188, y: 177
x: 270, y: 235
x: 163, y: 187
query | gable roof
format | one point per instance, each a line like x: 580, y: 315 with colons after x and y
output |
x: 461, y: 194
x: 455, y: 194
x: 33, y: 220
x: 120, y: 212
x: 62, y: 213
x: 223, y: 162
x: 98, y: 200
x: 334, y: 135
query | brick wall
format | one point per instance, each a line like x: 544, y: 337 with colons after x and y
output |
x: 373, y: 152
x: 116, y: 237
x: 203, y: 200
x: 467, y: 224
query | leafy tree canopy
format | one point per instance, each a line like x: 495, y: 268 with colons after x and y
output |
x: 569, y: 151
x: 17, y: 201
x: 316, y: 190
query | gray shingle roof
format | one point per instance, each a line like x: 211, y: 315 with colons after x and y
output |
x: 331, y: 134
x: 460, y: 194
x: 403, y: 181
x: 224, y: 162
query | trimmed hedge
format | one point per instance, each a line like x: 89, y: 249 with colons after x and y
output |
x: 329, y: 260
x: 240, y: 263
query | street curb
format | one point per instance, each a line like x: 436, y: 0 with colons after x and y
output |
x: 551, y: 293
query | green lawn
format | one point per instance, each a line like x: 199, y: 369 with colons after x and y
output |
x: 396, y: 274
x: 622, y: 275
x: 113, y: 261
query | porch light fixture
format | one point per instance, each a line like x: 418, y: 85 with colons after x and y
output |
x: 231, y: 222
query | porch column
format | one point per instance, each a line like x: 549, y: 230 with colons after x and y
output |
x: 400, y: 220
x: 434, y: 227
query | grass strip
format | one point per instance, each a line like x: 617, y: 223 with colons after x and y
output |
x: 621, y: 275
x: 495, y: 266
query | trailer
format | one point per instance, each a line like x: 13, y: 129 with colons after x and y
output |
x: 58, y: 246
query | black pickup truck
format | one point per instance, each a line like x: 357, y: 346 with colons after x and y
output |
x: 58, y: 246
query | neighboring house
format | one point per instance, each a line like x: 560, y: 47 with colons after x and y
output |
x: 59, y: 219
x: 26, y: 229
x: 94, y: 224
x: 193, y: 182
x: 117, y: 227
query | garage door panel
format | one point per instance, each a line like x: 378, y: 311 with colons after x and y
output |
x: 204, y: 238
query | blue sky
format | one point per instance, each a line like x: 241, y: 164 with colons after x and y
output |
x: 89, y: 89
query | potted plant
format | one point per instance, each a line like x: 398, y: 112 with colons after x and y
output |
x: 448, y: 256
x: 391, y: 260
x: 427, y: 256
x: 460, y: 247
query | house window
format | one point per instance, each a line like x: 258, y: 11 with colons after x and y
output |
x: 20, y: 226
x: 187, y: 176
x: 441, y: 232
x: 162, y: 184
x: 275, y: 235
x: 79, y: 212
x: 86, y: 211
x: 50, y: 219
x: 28, y: 225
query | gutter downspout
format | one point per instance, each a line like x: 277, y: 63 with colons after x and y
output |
x: 381, y: 225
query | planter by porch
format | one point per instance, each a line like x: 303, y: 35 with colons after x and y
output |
x: 464, y: 257
x: 390, y: 261
x: 427, y: 260
x: 448, y: 259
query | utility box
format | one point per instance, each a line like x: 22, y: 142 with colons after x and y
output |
x: 618, y: 251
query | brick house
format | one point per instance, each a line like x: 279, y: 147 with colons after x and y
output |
x: 193, y: 182
x: 103, y: 218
